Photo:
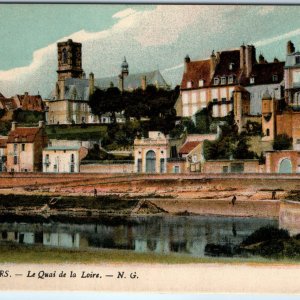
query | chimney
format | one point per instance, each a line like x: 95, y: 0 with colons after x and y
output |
x: 91, y: 83
x: 187, y: 60
x: 26, y: 94
x: 290, y: 48
x: 144, y: 82
x: 261, y: 59
x: 276, y: 60
x: 41, y: 124
x: 13, y: 125
x: 213, y: 63
x: 250, y: 59
x: 218, y: 57
x: 242, y: 57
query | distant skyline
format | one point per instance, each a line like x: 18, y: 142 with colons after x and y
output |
x: 150, y: 36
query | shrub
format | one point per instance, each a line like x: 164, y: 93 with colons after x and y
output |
x: 282, y: 142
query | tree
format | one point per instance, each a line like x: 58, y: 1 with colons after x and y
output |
x: 282, y: 142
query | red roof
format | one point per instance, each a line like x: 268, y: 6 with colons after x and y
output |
x: 31, y: 102
x: 196, y: 70
x: 3, y: 142
x: 188, y: 147
x: 23, y: 135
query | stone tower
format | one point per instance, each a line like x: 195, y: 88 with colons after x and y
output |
x: 124, y: 74
x: 241, y: 106
x: 268, y: 111
x: 69, y: 64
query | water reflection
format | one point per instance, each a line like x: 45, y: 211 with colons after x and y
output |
x: 189, y: 235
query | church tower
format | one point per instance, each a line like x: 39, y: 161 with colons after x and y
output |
x: 69, y: 64
x: 123, y: 75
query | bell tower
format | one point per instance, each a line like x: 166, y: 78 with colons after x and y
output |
x: 69, y: 60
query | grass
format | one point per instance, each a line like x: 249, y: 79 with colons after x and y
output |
x: 14, y: 253
x: 70, y: 132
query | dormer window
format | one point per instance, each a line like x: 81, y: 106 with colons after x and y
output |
x: 189, y: 84
x: 252, y: 80
x: 223, y: 80
x: 201, y: 82
x: 274, y: 78
x: 297, y: 59
x: 216, y: 81
x: 230, y: 79
x: 231, y: 66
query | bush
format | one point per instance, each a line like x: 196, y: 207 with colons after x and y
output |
x: 282, y: 142
x: 264, y: 234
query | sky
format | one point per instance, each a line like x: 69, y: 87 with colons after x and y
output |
x: 150, y: 36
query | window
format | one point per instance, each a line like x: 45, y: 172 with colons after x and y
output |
x: 297, y: 59
x: 72, y: 168
x: 47, y: 158
x: 237, y: 167
x: 230, y: 79
x: 201, y: 82
x: 223, y: 80
x: 139, y: 165
x: 64, y: 56
x: 72, y: 158
x: 252, y: 80
x: 268, y: 132
x: 216, y: 81
x: 224, y: 100
x: 15, y: 147
x: 231, y: 66
x: 189, y: 84
x: 15, y: 160
x: 215, y: 100
x: 176, y: 169
x: 23, y: 147
x: 225, y: 169
x: 298, y: 141
x: 274, y: 78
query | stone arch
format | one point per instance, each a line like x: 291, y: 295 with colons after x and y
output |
x: 285, y: 166
x: 150, y: 162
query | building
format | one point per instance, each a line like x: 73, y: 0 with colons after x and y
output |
x: 213, y: 81
x: 68, y: 102
x: 63, y: 159
x: 150, y: 154
x: 3, y: 153
x: 29, y: 102
x: 24, y: 148
x: 284, y: 161
x: 192, y: 151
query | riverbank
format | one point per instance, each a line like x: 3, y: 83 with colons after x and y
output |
x: 169, y: 193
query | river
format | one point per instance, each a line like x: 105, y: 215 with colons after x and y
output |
x: 197, y: 236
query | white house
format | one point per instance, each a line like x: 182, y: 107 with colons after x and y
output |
x: 63, y: 159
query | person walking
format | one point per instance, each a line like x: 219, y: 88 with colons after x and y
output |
x: 233, y: 200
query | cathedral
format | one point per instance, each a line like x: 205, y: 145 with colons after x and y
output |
x: 68, y: 103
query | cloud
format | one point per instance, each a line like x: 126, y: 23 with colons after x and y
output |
x: 277, y: 38
x: 162, y: 36
x: 124, y: 13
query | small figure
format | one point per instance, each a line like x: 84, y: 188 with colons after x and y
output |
x: 233, y: 200
x: 95, y: 192
x: 273, y: 195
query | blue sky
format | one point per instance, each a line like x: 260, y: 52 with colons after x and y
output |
x: 150, y: 37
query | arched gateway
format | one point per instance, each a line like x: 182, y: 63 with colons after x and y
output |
x: 150, y: 162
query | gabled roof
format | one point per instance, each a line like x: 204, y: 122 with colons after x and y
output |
x: 196, y: 70
x: 226, y: 58
x: 23, y: 135
x: 263, y: 73
x: 188, y: 147
x: 30, y: 102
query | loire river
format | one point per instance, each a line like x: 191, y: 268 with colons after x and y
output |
x: 191, y: 235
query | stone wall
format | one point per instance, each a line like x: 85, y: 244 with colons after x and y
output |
x: 107, y: 168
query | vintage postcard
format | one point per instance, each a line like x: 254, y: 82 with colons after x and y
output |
x: 150, y: 148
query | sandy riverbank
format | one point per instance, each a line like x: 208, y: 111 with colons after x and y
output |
x: 180, y: 194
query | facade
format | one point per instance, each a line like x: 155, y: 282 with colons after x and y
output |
x: 151, y: 154
x: 63, y: 159
x: 68, y: 102
x: 3, y: 153
x: 24, y: 148
x: 213, y: 81
x: 284, y: 161
x: 232, y: 166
